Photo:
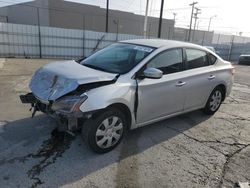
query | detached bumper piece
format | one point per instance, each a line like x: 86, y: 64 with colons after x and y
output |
x: 28, y: 98
x: 36, y: 105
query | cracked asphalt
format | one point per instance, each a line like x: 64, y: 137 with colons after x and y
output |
x: 192, y: 150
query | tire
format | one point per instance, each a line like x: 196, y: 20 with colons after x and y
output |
x: 104, y: 132
x: 214, y: 101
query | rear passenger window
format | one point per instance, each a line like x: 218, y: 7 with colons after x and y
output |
x: 196, y: 58
x: 212, y: 59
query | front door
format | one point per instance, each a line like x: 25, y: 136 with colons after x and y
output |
x: 165, y: 96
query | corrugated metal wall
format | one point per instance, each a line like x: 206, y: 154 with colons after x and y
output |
x: 26, y: 41
x: 23, y: 41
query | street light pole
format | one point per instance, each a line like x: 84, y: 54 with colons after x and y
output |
x: 190, y: 26
x: 145, y: 21
x: 160, y: 20
x: 210, y: 21
x: 174, y: 17
x: 107, y: 17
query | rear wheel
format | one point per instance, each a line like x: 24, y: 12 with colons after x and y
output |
x: 104, y: 132
x: 214, y: 101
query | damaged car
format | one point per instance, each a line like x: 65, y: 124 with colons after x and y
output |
x: 127, y: 85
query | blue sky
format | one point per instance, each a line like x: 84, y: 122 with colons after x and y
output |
x: 231, y: 16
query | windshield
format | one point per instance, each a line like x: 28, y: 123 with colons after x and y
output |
x: 117, y: 58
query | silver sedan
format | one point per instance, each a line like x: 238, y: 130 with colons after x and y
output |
x: 127, y: 85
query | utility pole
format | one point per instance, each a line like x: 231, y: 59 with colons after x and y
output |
x: 190, y: 26
x: 195, y: 20
x: 196, y: 16
x: 210, y: 21
x: 160, y: 20
x: 145, y: 21
x: 107, y: 17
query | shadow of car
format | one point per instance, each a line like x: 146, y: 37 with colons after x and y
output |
x: 69, y: 156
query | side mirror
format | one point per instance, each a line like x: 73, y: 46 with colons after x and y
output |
x: 152, y: 73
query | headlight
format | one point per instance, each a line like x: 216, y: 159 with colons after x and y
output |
x: 69, y: 104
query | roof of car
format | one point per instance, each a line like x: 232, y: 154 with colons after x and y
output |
x: 158, y: 43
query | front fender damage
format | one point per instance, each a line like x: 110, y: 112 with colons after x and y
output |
x: 66, y: 121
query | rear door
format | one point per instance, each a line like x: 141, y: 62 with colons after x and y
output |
x: 160, y: 97
x: 199, y: 76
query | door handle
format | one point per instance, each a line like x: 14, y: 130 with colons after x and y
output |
x: 180, y: 83
x: 211, y: 77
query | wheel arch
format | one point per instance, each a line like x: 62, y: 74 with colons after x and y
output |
x: 125, y: 109
x: 120, y: 106
x: 223, y: 87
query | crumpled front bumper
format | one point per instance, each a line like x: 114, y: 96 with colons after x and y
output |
x: 45, y: 106
x: 66, y: 121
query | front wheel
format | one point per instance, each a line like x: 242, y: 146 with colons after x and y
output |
x: 104, y: 132
x: 214, y: 101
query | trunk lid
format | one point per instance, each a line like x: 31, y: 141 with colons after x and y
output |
x: 57, y: 79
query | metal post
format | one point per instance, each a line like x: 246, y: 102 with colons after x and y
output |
x: 107, y: 17
x: 39, y: 33
x: 83, y: 36
x: 149, y: 30
x: 116, y: 22
x: 174, y: 25
x: 145, y: 21
x: 218, y: 39
x: 190, y: 26
x: 160, y: 20
x: 203, y: 38
x: 169, y: 28
x: 231, y: 48
x: 174, y: 17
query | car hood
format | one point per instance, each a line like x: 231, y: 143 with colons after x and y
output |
x: 54, y: 80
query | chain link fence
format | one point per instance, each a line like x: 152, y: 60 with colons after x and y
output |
x: 29, y: 41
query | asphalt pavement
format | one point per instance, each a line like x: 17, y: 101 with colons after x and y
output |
x: 191, y: 150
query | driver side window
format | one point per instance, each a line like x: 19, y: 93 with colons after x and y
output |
x: 169, y: 61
